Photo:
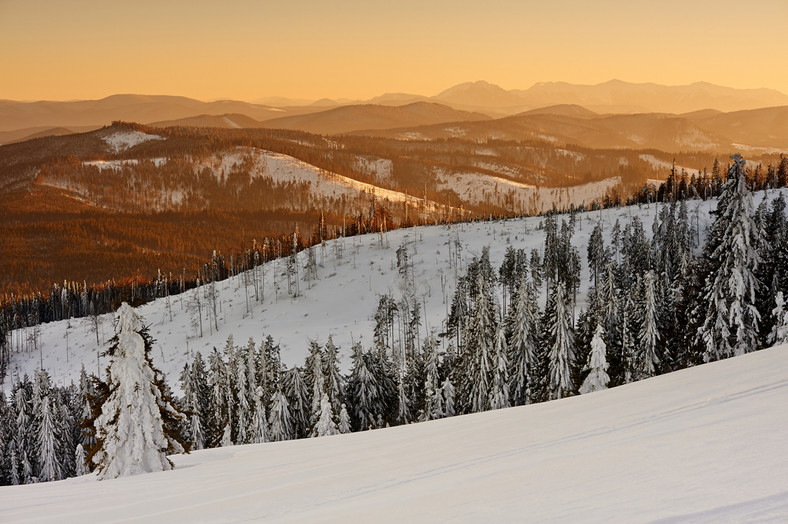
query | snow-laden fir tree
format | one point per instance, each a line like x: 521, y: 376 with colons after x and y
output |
x: 597, y: 377
x: 136, y: 428
x: 27, y: 469
x: 24, y: 419
x: 403, y: 401
x: 68, y: 430
x: 334, y: 381
x: 448, y: 392
x: 522, y: 327
x: 478, y: 352
x: 195, y: 401
x: 561, y: 344
x: 647, y: 358
x: 433, y: 400
x: 627, y: 355
x: 49, y: 459
x: 218, y: 399
x: 227, y: 439
x: 13, y: 464
x: 499, y: 386
x: 244, y: 402
x: 279, y: 419
x: 259, y: 421
x: 597, y: 256
x: 325, y: 423
x: 364, y: 390
x: 731, y: 318
x: 315, y: 379
x: 80, y: 459
x: 297, y: 393
x: 779, y: 334
x: 344, y: 421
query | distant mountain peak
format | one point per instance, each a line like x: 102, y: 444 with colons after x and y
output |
x: 479, y: 94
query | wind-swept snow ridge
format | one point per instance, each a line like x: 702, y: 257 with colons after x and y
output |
x: 705, y: 444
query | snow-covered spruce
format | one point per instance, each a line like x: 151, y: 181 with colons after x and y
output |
x: 597, y: 377
x: 136, y: 428
x: 731, y: 317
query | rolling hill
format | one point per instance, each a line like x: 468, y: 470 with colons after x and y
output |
x: 765, y: 128
x: 616, y: 96
x: 227, y: 121
x: 136, y: 108
x: 355, y: 118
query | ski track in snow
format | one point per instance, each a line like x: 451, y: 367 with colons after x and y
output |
x: 705, y: 444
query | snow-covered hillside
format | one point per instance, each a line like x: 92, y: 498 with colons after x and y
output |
x: 352, y: 274
x: 123, y: 140
x: 705, y: 444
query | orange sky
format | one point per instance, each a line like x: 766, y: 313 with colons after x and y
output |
x: 73, y: 49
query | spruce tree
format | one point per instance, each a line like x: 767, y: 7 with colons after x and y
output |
x: 80, y: 458
x: 499, y: 386
x: 334, y: 382
x: 561, y: 344
x: 648, y: 336
x: 344, y: 421
x: 136, y: 424
x: 478, y: 352
x: 433, y: 400
x: 280, y: 419
x: 218, y: 400
x: 259, y: 432
x: 522, y: 327
x: 597, y: 377
x: 448, y: 392
x: 49, y: 459
x: 731, y: 318
x: 315, y: 380
x: 779, y: 334
x: 297, y: 393
x: 325, y: 423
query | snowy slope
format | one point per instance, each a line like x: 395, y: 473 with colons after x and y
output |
x: 123, y: 140
x: 480, y: 188
x: 705, y: 444
x: 341, y: 302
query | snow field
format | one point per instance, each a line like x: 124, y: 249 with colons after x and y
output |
x: 705, y: 444
x: 123, y: 140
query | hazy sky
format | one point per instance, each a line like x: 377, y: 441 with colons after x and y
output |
x: 70, y: 49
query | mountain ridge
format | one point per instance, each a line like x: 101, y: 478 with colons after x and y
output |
x: 613, y: 96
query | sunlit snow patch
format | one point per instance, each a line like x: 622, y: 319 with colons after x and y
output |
x: 123, y: 140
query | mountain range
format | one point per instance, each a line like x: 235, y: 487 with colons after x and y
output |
x: 613, y: 97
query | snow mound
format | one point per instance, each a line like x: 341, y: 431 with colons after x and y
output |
x: 123, y: 140
x: 702, y: 444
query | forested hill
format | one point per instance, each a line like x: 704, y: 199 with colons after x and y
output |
x: 140, y: 202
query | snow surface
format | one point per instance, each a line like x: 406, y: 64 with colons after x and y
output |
x: 706, y: 444
x: 118, y: 164
x: 482, y: 188
x: 341, y: 302
x: 123, y: 140
x: 284, y: 168
x: 380, y: 168
x: 658, y: 164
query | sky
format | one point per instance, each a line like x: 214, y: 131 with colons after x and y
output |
x: 85, y: 49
